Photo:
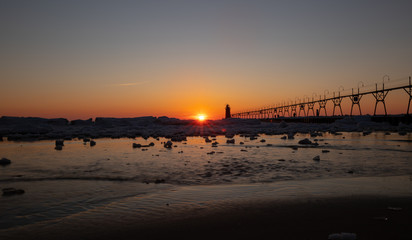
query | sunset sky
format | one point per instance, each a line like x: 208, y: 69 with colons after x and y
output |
x: 82, y: 59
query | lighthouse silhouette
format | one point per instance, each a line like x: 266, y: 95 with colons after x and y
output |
x: 227, y: 115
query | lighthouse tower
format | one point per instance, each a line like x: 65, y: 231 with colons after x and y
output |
x: 227, y: 115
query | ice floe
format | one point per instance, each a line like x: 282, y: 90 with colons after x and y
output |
x: 29, y: 128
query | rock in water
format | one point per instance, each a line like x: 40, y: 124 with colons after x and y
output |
x: 59, y: 147
x: 305, y: 141
x: 317, y: 158
x: 4, y: 162
x: 12, y: 191
x: 92, y: 143
x: 230, y: 141
x: 402, y: 133
x: 137, y: 145
x: 59, y: 142
x: 178, y: 138
x: 157, y: 181
x: 168, y: 144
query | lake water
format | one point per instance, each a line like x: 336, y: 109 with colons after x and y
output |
x: 80, y: 184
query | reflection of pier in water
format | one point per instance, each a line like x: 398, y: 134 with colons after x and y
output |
x: 295, y: 109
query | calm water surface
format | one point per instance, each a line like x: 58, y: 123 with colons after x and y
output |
x: 195, y: 162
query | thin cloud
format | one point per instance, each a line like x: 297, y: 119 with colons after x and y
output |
x: 129, y: 84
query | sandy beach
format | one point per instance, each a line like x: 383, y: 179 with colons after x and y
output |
x: 368, y: 208
x: 369, y: 217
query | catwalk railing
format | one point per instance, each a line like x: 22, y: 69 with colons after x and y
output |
x: 294, y: 109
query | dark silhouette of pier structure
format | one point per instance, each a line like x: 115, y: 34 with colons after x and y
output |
x: 307, y: 106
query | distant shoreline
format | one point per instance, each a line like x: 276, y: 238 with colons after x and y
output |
x: 32, y: 129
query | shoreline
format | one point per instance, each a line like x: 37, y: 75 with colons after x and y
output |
x: 32, y: 129
x: 370, y: 207
x: 369, y: 217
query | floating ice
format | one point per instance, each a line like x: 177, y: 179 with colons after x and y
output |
x: 18, y: 129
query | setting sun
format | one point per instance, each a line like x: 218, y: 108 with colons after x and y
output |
x: 201, y: 117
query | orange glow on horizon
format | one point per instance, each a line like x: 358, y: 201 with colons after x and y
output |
x: 171, y: 101
x: 201, y: 117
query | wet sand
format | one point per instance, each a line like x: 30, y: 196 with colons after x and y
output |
x: 370, y: 217
x: 370, y: 207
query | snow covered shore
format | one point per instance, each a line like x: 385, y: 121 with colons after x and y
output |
x: 29, y: 128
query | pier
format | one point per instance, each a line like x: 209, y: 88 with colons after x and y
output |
x: 304, y: 111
